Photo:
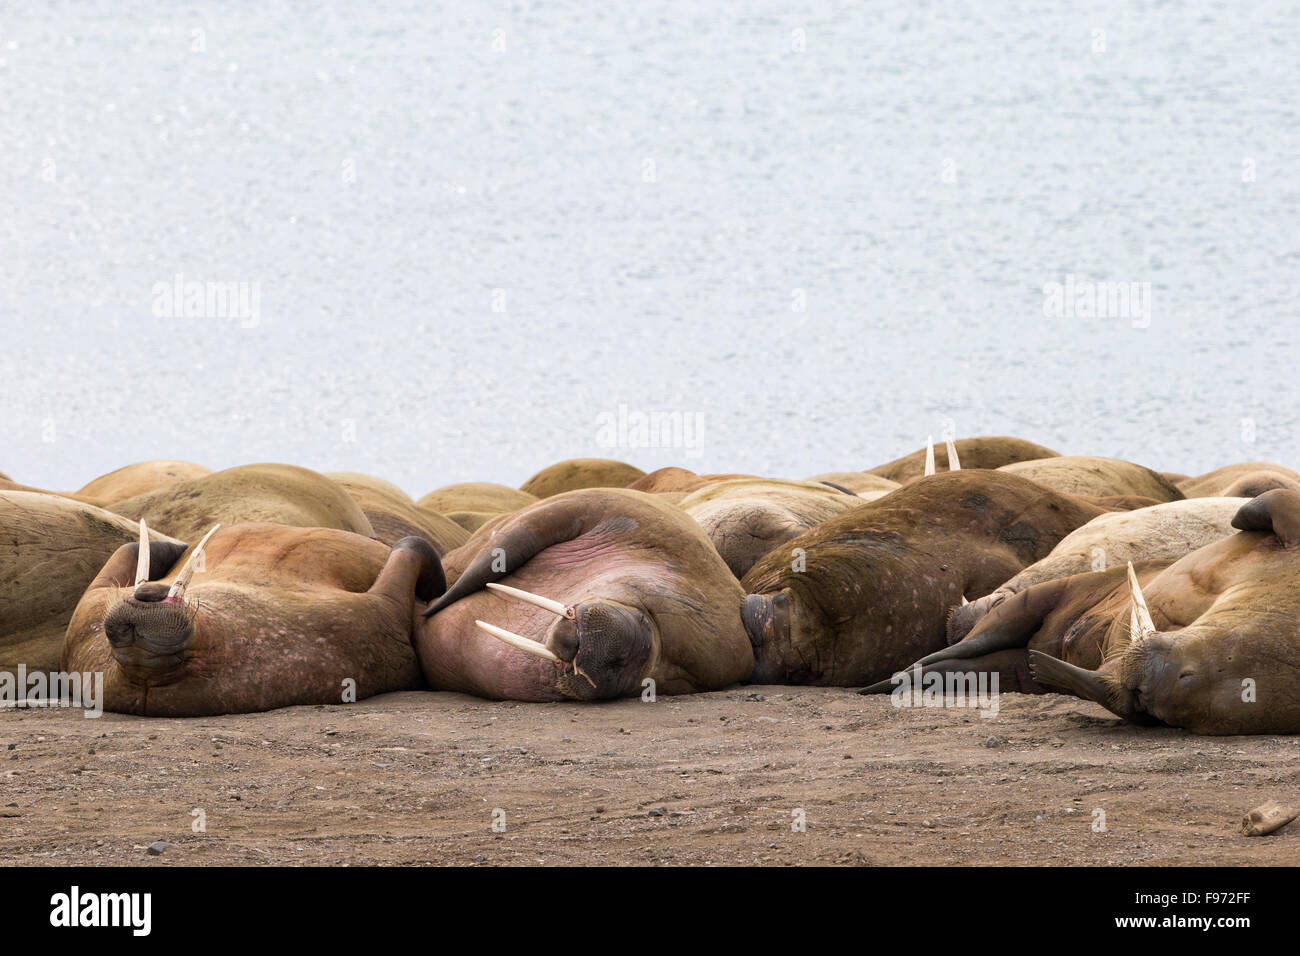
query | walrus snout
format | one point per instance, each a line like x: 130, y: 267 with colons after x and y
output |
x: 767, y: 622
x: 148, y: 629
x: 607, y: 645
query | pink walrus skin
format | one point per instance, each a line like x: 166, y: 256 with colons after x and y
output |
x: 604, y: 591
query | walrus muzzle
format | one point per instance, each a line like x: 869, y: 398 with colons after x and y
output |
x: 149, y: 631
x: 767, y: 622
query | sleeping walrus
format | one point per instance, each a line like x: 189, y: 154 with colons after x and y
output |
x: 1213, y: 645
x: 860, y: 596
x: 278, y: 616
x: 586, y: 595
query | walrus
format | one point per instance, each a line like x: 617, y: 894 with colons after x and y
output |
x: 586, y: 595
x: 1248, y: 479
x: 284, y: 494
x: 1162, y: 532
x: 51, y: 548
x: 477, y: 496
x: 137, y: 479
x: 1212, y: 643
x: 988, y: 451
x: 859, y: 482
x: 1071, y: 618
x: 577, y: 473
x: 864, y: 594
x: 747, y: 517
x: 1094, y: 476
x: 279, y: 616
x: 394, y: 516
x: 674, y: 479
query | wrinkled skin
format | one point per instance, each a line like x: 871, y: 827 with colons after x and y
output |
x: 394, y: 516
x: 748, y: 517
x: 1079, y: 619
x: 988, y: 451
x: 1246, y: 480
x: 138, y: 479
x: 51, y: 548
x: 1163, y: 532
x: 862, y: 595
x: 284, y: 494
x: 1225, y: 656
x: 280, y: 616
x: 647, y: 598
x: 1092, y: 476
x: 578, y: 473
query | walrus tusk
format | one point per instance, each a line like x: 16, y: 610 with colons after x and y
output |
x: 142, y: 559
x: 515, y: 640
x: 964, y: 602
x: 187, y: 572
x: 555, y: 607
x: 929, y: 455
x: 1139, y: 612
x: 953, y: 463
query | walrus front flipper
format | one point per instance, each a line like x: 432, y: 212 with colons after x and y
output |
x: 1277, y: 511
x: 412, y: 556
x: 523, y: 535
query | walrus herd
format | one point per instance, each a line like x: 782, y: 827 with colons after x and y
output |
x: 1165, y: 598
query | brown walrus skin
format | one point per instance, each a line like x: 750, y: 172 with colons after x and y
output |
x: 138, y: 479
x: 394, y: 516
x: 862, y: 595
x: 51, y: 547
x: 1070, y: 618
x: 1249, y: 479
x: 578, y: 473
x: 1223, y: 654
x: 284, y: 494
x: 644, y: 595
x: 988, y: 451
x: 280, y: 616
x: 1094, y: 476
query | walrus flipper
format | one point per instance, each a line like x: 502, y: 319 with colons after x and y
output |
x: 1277, y: 511
x: 430, y: 582
x: 521, y: 537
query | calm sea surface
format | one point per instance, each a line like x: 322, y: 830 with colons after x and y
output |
x: 477, y: 234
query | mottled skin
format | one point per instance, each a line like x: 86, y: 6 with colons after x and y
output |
x: 1248, y: 479
x: 650, y: 598
x: 138, y: 479
x: 859, y: 597
x: 748, y: 517
x: 280, y: 616
x: 988, y: 451
x: 51, y: 548
x: 1162, y: 532
x: 394, y: 516
x: 1075, y: 618
x: 1096, y: 477
x: 1225, y: 657
x: 284, y: 494
x: 578, y: 473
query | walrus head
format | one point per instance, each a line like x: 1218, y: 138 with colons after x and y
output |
x: 1208, y: 678
x: 601, y: 646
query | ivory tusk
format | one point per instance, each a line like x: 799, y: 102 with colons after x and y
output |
x: 514, y: 640
x: 183, y: 579
x: 142, y: 559
x: 1139, y: 612
x: 555, y: 607
x: 954, y: 464
x: 929, y: 455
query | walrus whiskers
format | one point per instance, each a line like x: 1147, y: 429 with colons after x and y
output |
x: 183, y: 579
x: 555, y: 607
x: 1139, y: 614
x: 142, y: 559
x: 515, y: 640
